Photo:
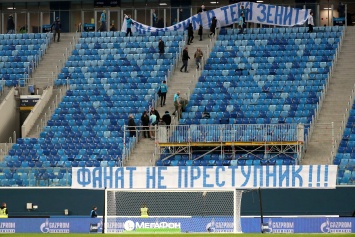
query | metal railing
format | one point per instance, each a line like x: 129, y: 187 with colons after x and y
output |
x: 322, y: 97
x: 230, y: 133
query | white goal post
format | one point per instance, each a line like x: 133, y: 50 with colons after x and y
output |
x: 172, y: 210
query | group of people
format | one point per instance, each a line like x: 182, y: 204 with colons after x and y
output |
x: 185, y: 58
x: 149, y: 120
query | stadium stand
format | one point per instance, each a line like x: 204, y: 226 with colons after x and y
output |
x: 265, y: 76
x: 345, y: 158
x: 109, y: 77
x: 19, y: 55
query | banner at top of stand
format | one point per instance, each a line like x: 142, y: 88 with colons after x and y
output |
x: 205, y: 177
x: 253, y: 12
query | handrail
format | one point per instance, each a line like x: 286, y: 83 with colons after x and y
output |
x: 36, y: 112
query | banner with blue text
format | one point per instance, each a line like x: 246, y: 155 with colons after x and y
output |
x: 205, y: 177
x: 227, y: 15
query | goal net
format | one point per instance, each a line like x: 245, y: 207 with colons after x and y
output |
x: 183, y: 210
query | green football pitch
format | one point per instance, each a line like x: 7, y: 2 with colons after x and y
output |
x: 173, y: 235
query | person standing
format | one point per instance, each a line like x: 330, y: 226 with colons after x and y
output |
x: 213, y: 26
x: 113, y: 28
x: 4, y: 213
x: 144, y: 211
x: 154, y: 111
x: 131, y: 126
x: 161, y: 47
x: 129, y: 24
x: 93, y: 213
x: 243, y: 11
x: 57, y: 25
x: 198, y: 56
x: 190, y: 34
x: 202, y: 9
x: 241, y: 23
x: 153, y: 120
x: 145, y: 123
x: 163, y: 90
x: 185, y: 58
x: 10, y: 25
x: 167, y: 119
x: 177, y: 102
x: 200, y: 32
x: 154, y: 18
x: 310, y: 22
x: 103, y: 21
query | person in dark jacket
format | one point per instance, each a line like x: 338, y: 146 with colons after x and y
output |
x: 185, y: 58
x: 145, y: 123
x: 131, y: 126
x: 190, y: 33
x: 167, y: 119
x: 161, y: 47
x: 200, y: 32
x: 213, y: 27
x: 202, y: 9
x: 10, y: 25
x: 93, y: 213
x: 57, y: 25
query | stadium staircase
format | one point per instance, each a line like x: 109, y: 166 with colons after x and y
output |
x: 341, y: 84
x: 143, y: 154
x: 54, y: 59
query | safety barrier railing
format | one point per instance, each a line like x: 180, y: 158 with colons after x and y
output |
x: 36, y: 112
x: 231, y: 133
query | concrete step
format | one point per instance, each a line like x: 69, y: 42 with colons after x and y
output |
x: 337, y: 97
x: 142, y: 154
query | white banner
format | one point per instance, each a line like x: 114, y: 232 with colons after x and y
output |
x: 205, y: 177
x: 227, y: 15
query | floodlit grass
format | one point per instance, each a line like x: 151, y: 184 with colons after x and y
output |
x: 173, y: 235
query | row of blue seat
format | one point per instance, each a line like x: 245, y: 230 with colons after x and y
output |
x: 35, y: 183
x: 139, y: 62
x: 231, y: 106
x: 14, y: 64
x: 296, y: 56
x: 255, y: 65
x: 249, y: 45
x: 250, y: 114
x: 281, y: 37
x: 246, y: 69
x: 276, y: 44
x: 274, y: 120
x: 11, y: 43
x: 261, y: 80
x: 123, y: 34
x: 269, y: 92
x: 136, y: 39
x: 114, y: 43
x: 93, y: 68
x: 67, y: 164
x: 70, y: 141
x: 111, y: 92
x: 18, y: 58
x: 110, y: 150
x: 269, y: 81
x: 27, y: 36
x: 236, y: 101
